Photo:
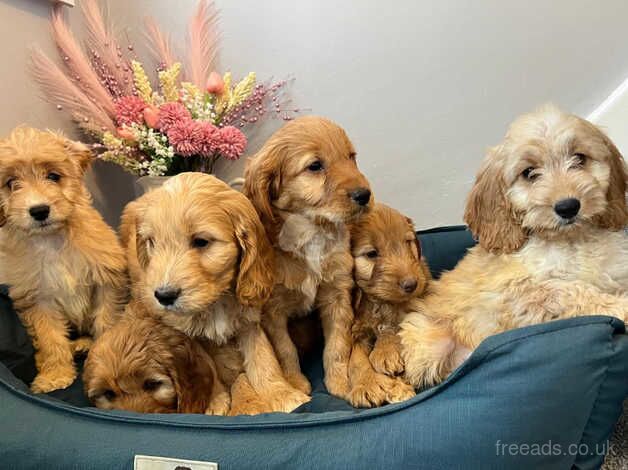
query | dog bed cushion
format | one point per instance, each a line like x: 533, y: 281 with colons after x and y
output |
x: 545, y: 396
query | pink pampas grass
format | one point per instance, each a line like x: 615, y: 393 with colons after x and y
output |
x: 203, y: 43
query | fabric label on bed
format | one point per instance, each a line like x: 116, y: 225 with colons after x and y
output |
x: 149, y: 462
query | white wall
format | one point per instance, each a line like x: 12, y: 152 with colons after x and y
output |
x: 422, y: 86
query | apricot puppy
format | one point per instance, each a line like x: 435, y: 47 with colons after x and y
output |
x: 201, y: 262
x: 306, y: 186
x: 548, y: 209
x: 389, y: 272
x: 63, y: 263
x: 143, y: 365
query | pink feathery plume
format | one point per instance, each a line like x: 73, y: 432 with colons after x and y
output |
x: 106, y: 51
x: 203, y: 43
x: 159, y: 43
x: 81, y: 71
x: 60, y: 90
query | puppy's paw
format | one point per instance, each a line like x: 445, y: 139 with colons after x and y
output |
x: 338, y: 385
x: 399, y: 391
x: 53, y: 379
x: 386, y: 361
x: 368, y: 393
x: 300, y: 382
x: 288, y: 399
x: 219, y: 404
x: 82, y: 345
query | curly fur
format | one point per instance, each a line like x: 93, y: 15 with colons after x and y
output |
x: 305, y: 210
x: 222, y: 285
x: 67, y: 271
x: 531, y: 265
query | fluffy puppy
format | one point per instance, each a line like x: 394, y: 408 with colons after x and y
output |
x: 143, y: 365
x: 63, y: 263
x: 548, y: 209
x: 201, y: 262
x: 389, y: 272
x: 306, y: 187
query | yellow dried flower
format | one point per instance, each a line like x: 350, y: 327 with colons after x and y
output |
x: 168, y: 82
x: 242, y: 90
x: 142, y: 84
x: 110, y: 140
x: 223, y: 100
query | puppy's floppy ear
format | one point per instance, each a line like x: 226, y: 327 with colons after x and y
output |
x: 134, y: 246
x: 256, y: 275
x: 616, y: 215
x: 193, y: 375
x: 488, y: 213
x: 262, y: 180
x: 416, y: 239
x: 80, y: 154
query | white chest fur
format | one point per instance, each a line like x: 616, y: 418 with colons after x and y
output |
x: 314, y: 246
x: 599, y: 258
x: 48, y: 271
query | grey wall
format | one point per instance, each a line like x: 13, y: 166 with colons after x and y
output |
x: 422, y: 87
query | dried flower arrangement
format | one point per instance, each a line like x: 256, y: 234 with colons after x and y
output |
x: 190, y: 119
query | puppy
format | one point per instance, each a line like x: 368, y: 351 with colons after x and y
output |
x: 388, y: 273
x: 306, y: 187
x: 146, y: 366
x: 201, y: 262
x: 548, y: 209
x: 63, y: 263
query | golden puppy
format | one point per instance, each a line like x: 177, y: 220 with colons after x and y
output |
x: 201, y: 262
x: 63, y: 263
x: 143, y: 365
x: 548, y: 208
x: 306, y: 186
x: 388, y: 273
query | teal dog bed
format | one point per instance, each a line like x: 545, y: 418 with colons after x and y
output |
x: 545, y: 396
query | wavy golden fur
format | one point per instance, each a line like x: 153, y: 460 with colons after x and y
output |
x: 64, y: 264
x: 146, y: 366
x: 306, y: 187
x: 389, y: 272
x: 200, y: 261
x: 548, y: 209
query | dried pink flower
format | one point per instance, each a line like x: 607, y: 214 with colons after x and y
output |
x: 186, y: 136
x: 211, y: 139
x: 232, y: 143
x: 172, y: 113
x: 129, y: 110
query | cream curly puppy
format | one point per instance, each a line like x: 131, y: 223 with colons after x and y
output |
x: 548, y: 209
x: 63, y: 263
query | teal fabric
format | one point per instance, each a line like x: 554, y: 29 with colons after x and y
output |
x: 550, y: 387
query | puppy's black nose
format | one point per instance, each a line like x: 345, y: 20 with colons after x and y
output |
x: 567, y: 208
x: 167, y: 295
x: 361, y: 195
x: 39, y: 213
x: 408, y: 285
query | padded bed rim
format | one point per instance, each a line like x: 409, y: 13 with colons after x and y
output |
x: 486, y: 348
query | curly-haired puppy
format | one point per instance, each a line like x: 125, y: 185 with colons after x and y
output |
x: 548, y: 209
x: 200, y: 260
x: 306, y: 186
x: 389, y: 272
x: 143, y: 365
x: 63, y: 263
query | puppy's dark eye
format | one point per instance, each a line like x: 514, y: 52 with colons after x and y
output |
x: 315, y: 166
x: 198, y: 242
x: 579, y: 159
x: 52, y: 176
x: 529, y: 174
x: 371, y: 254
x: 10, y: 183
x: 151, y: 385
x: 109, y: 394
